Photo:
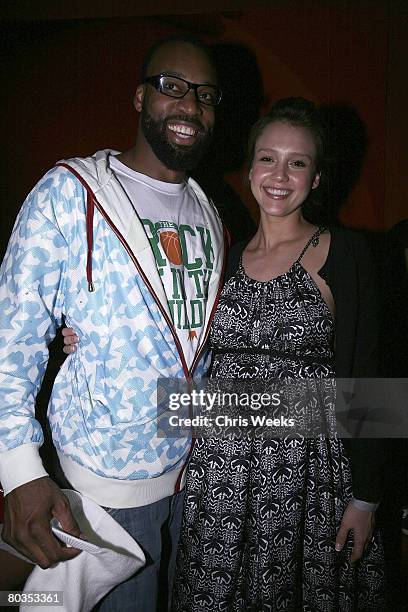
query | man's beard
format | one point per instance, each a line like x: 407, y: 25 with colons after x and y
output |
x: 175, y: 157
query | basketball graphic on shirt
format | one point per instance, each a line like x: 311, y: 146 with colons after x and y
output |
x: 170, y: 242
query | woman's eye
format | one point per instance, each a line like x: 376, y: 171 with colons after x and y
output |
x: 266, y: 158
x: 298, y: 163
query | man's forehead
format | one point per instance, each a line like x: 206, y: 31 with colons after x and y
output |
x: 182, y: 59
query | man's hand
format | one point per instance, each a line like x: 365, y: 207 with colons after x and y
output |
x: 70, y: 340
x: 27, y: 514
x: 362, y: 524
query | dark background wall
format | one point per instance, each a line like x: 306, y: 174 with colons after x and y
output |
x: 69, y: 73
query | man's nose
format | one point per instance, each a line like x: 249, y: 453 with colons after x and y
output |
x: 189, y: 104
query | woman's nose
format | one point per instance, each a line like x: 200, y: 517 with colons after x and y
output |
x: 280, y: 173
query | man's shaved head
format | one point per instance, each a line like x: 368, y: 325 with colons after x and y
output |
x: 187, y: 40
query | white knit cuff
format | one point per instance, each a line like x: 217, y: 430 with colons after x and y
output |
x: 20, y: 465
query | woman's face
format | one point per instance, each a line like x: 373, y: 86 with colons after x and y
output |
x: 283, y: 170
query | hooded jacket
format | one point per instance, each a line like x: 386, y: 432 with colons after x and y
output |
x: 79, y: 250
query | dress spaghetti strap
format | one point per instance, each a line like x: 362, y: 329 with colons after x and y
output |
x: 314, y: 240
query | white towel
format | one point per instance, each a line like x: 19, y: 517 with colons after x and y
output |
x: 109, y: 557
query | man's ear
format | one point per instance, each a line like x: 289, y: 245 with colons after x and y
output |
x: 138, y: 98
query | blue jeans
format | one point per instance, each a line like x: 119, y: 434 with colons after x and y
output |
x: 156, y: 528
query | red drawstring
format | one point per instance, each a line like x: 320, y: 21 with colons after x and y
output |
x: 89, y: 238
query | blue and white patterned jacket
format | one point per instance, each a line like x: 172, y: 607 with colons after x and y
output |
x: 78, y: 231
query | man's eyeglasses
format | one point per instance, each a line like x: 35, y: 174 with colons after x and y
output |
x: 175, y: 87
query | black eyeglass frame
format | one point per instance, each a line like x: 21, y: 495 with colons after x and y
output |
x: 156, y: 81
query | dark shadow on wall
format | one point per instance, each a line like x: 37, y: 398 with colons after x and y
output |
x: 346, y: 148
x: 243, y: 94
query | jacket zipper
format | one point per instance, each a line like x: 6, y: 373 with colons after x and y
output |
x: 147, y: 283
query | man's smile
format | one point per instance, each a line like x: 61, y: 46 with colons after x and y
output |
x: 183, y: 130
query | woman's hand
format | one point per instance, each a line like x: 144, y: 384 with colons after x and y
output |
x: 70, y: 340
x: 362, y: 524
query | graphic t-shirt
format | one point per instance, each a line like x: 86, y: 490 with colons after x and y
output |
x: 182, y: 245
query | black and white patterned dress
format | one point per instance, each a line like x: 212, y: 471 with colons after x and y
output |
x: 261, y: 515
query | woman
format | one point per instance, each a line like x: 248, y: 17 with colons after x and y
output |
x: 261, y: 515
x: 266, y: 521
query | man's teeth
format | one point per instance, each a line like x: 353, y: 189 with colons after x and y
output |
x: 184, y: 130
x: 277, y: 192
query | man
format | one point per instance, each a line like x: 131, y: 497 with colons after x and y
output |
x: 131, y: 253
